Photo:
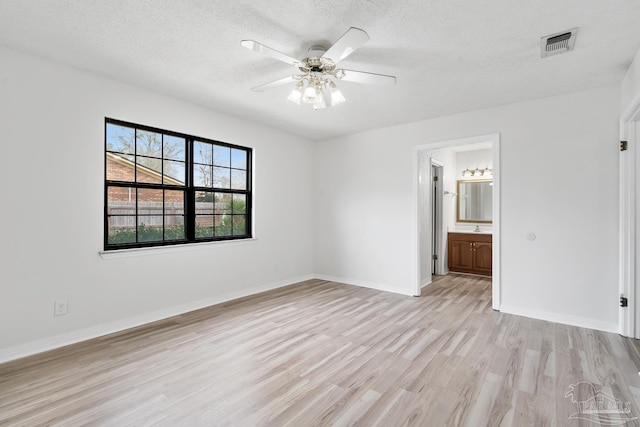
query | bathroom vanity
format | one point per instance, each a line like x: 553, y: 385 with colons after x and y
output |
x: 470, y: 252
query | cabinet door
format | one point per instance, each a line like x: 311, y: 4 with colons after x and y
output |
x: 482, y: 258
x: 460, y: 255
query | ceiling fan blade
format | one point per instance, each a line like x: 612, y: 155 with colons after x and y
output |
x: 346, y: 44
x: 273, y: 84
x: 366, y: 78
x: 259, y: 47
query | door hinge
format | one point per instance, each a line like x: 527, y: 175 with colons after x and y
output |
x: 435, y: 178
x: 623, y: 301
x: 434, y: 257
x: 623, y: 145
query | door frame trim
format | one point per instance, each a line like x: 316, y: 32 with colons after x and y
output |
x: 628, y: 318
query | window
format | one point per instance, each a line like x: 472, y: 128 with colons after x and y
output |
x: 164, y: 188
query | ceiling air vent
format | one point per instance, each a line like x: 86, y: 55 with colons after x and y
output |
x: 555, y: 44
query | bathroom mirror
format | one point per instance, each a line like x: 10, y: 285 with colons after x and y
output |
x: 475, y: 201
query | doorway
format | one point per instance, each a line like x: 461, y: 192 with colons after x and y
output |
x: 430, y: 235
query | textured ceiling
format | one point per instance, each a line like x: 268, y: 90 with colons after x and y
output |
x: 449, y: 56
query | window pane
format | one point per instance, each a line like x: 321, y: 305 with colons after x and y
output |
x: 149, y: 170
x: 174, y: 202
x: 150, y: 195
x: 204, y: 202
x: 239, y: 227
x: 121, y: 229
x: 174, y: 172
x: 239, y: 204
x: 204, y: 226
x: 221, y: 177
x: 238, y: 179
x: 223, y: 203
x: 120, y: 167
x: 238, y: 159
x: 223, y: 225
x: 221, y: 156
x: 173, y: 147
x: 174, y: 227
x: 149, y: 228
x: 202, y: 176
x: 148, y: 144
x: 203, y: 153
x: 150, y: 209
x: 121, y: 201
x: 120, y: 139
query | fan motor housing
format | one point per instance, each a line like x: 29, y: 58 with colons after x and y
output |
x: 317, y: 64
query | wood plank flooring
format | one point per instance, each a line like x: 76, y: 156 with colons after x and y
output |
x: 321, y: 353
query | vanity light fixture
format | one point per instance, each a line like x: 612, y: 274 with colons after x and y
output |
x: 477, y: 172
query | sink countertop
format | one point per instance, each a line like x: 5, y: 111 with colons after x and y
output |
x: 471, y: 232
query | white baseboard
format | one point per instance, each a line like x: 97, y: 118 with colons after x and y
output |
x: 62, y: 340
x: 364, y: 284
x: 565, y: 319
x: 425, y: 283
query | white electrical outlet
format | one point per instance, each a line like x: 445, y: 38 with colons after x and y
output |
x: 60, y: 307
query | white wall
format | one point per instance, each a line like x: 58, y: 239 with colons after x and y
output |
x: 449, y: 202
x: 52, y: 185
x: 559, y: 180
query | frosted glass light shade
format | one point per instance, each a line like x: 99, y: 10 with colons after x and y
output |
x: 337, y: 97
x: 320, y: 102
x: 295, y: 95
x: 309, y: 95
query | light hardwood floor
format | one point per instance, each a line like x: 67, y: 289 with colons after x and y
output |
x: 321, y: 353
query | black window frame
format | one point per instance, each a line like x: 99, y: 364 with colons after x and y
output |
x: 190, y: 191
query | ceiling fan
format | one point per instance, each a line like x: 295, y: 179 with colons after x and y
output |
x: 316, y: 81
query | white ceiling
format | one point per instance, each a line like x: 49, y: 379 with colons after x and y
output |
x: 449, y: 55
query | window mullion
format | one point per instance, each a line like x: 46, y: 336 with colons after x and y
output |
x: 190, y: 201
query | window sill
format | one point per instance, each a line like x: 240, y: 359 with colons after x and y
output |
x: 135, y: 252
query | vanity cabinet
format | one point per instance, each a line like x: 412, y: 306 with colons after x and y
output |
x: 470, y: 253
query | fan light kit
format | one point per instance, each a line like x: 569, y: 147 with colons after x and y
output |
x: 316, y: 83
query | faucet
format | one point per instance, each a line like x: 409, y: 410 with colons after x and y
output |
x: 477, y: 230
